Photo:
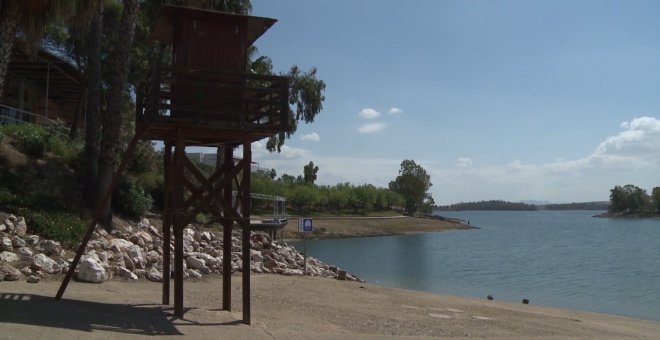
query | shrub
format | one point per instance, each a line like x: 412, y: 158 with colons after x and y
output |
x: 130, y: 199
x: 67, y: 228
x: 31, y: 139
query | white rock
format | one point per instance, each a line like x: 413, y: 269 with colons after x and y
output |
x: 32, y: 239
x: 20, y: 227
x: 3, y: 227
x: 141, y: 236
x: 144, y: 224
x: 126, y: 274
x: 289, y: 272
x: 24, y: 251
x: 155, y: 275
x: 33, y: 279
x: 194, y: 274
x: 7, y: 256
x: 118, y: 244
x: 195, y: 263
x: 9, y: 273
x: 45, y: 264
x: 6, y: 244
x: 26, y: 271
x: 50, y: 247
x: 256, y: 255
x: 91, y: 271
x: 18, y: 242
x: 134, y: 252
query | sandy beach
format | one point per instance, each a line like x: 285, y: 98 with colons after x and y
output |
x: 285, y: 307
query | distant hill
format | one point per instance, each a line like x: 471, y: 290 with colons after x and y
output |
x: 519, y: 206
x: 601, y: 205
x: 488, y: 205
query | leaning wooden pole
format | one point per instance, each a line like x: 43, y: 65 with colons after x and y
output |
x: 245, y: 223
x: 99, y: 211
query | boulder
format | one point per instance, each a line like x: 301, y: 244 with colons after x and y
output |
x: 134, y: 252
x: 141, y: 237
x: 50, y: 247
x: 33, y: 279
x: 45, y: 264
x: 193, y: 274
x: 9, y: 273
x: 195, y: 263
x: 91, y: 271
x: 155, y: 275
x: 3, y: 227
x: 18, y: 242
x: 256, y: 255
x: 31, y: 239
x: 20, y: 227
x: 6, y: 244
x: 26, y: 271
x: 126, y: 274
x: 24, y: 251
x: 118, y: 245
x: 7, y: 256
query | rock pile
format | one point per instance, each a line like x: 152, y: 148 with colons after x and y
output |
x: 134, y: 253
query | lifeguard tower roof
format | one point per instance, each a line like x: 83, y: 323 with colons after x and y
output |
x: 171, y: 15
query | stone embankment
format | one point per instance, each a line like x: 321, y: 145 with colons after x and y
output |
x: 135, y: 253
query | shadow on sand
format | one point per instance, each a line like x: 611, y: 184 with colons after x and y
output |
x: 86, y: 316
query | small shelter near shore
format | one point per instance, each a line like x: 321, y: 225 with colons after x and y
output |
x: 205, y: 97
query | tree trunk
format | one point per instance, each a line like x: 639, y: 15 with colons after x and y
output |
x: 93, y: 109
x: 9, y: 17
x: 112, y: 117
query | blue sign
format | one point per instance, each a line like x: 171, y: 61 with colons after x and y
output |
x: 304, y: 225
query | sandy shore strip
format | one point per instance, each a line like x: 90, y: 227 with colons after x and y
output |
x: 356, y: 226
x: 285, y: 307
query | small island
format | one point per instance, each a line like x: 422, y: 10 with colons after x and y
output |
x: 631, y: 201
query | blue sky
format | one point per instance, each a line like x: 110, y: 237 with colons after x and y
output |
x: 514, y: 100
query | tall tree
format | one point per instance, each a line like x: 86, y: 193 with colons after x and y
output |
x: 309, y: 173
x: 120, y: 58
x: 413, y: 184
x: 30, y: 18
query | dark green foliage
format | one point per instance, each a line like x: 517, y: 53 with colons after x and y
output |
x: 306, y: 198
x: 65, y: 227
x: 309, y: 172
x: 629, y: 199
x: 655, y: 199
x: 130, y: 199
x: 413, y: 184
x: 29, y: 138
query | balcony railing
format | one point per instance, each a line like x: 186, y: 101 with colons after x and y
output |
x: 212, y: 99
x: 13, y: 115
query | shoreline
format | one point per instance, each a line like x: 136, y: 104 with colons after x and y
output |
x: 359, y: 227
x: 292, y: 307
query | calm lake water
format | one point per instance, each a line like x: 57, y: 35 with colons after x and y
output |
x: 557, y: 258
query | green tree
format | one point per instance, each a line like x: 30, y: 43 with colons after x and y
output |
x: 309, y: 172
x: 629, y: 198
x: 655, y: 199
x: 413, y: 184
x: 30, y: 18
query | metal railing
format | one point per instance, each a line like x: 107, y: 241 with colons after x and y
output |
x: 13, y: 115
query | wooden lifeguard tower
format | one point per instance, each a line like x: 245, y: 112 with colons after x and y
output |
x: 205, y: 98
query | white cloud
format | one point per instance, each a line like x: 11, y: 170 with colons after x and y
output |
x: 371, y: 127
x: 368, y: 113
x: 630, y: 156
x: 314, y: 137
x: 463, y: 162
x: 395, y: 111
